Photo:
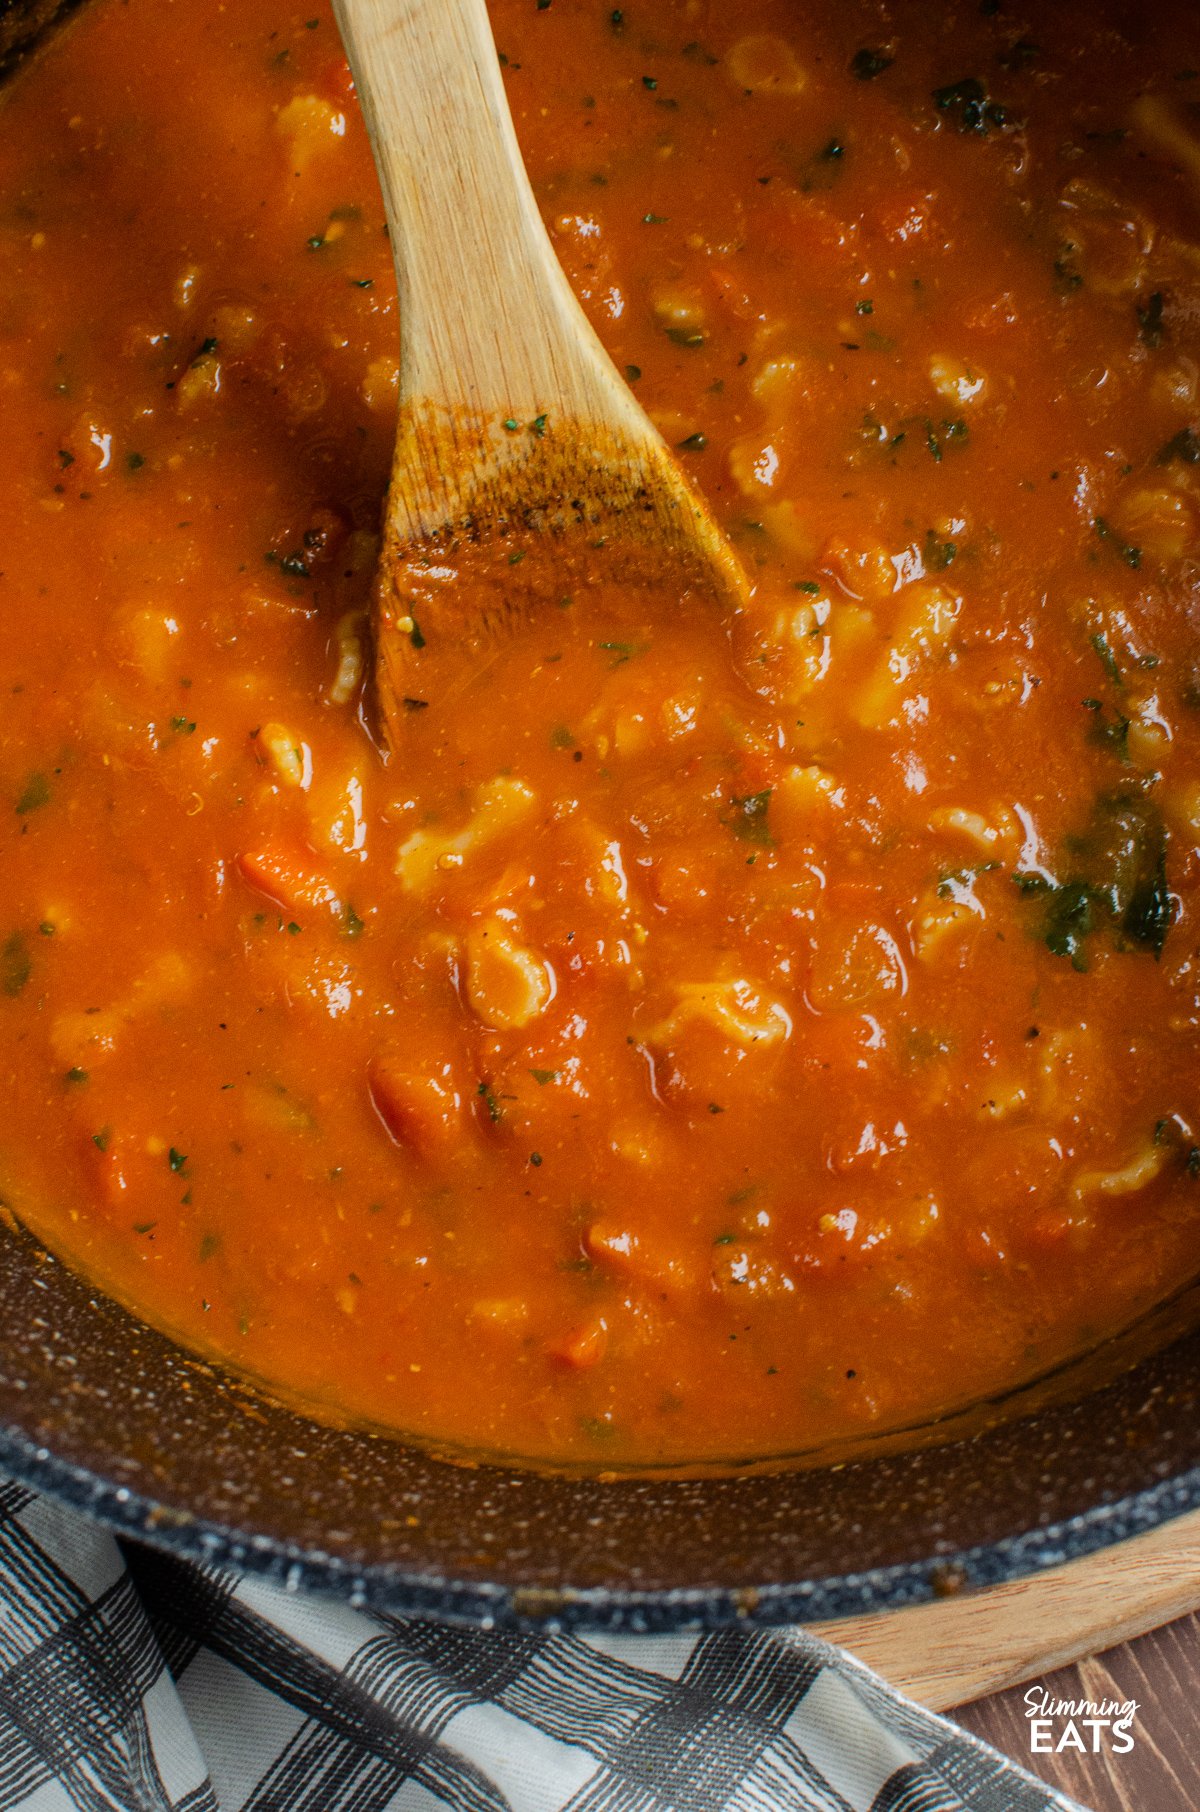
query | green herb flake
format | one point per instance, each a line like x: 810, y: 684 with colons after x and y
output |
x: 100, y: 1139
x: 970, y: 106
x: 749, y: 817
x: 1111, y: 733
x: 414, y: 635
x: 561, y: 737
x: 16, y: 965
x: 1067, y: 276
x: 1108, y: 659
x: 1116, y: 880
x: 1132, y: 556
x: 866, y: 64
x: 693, y: 443
x: 620, y: 651
x: 352, y: 925
x: 633, y: 373
x: 866, y: 307
x: 34, y: 795
x: 1184, y: 447
x: 1150, y: 320
x: 538, y: 425
x: 134, y: 461
x: 542, y: 1077
x: 938, y: 554
x: 176, y: 1159
x: 76, y: 1077
x: 210, y: 1245
x: 495, y: 1111
x: 183, y: 726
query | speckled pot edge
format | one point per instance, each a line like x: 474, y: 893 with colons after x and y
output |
x: 130, y: 1515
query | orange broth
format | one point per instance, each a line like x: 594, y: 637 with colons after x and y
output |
x: 700, y: 1039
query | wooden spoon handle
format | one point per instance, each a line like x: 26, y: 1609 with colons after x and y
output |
x: 490, y: 326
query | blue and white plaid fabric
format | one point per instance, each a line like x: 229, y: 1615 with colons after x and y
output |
x: 135, y: 1682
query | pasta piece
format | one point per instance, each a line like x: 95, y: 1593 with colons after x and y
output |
x: 1181, y: 804
x: 201, y: 380
x: 507, y: 984
x: 942, y: 921
x: 236, y: 328
x: 957, y: 381
x: 83, y: 1037
x: 1140, y: 1171
x: 680, y: 312
x: 923, y: 627
x: 996, y: 835
x: 855, y: 964
x: 738, y: 1009
x: 428, y: 855
x: 288, y: 755
x: 145, y: 639
x: 311, y: 126
x: 1159, y: 521
x: 1156, y: 123
x: 765, y: 64
x: 381, y: 383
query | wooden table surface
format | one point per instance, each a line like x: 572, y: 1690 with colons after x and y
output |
x: 1161, y: 1773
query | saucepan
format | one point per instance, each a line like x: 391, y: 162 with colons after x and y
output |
x: 111, y: 1418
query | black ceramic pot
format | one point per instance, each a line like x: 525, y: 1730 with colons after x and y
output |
x: 112, y: 1418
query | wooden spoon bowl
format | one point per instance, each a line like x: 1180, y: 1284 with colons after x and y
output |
x: 520, y: 449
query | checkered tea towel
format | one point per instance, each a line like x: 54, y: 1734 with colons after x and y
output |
x: 135, y: 1682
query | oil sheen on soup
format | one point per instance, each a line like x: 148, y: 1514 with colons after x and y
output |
x: 699, y: 1038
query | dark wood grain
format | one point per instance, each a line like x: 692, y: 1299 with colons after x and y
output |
x: 1162, y: 1771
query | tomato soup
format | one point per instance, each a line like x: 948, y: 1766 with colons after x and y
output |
x: 701, y: 1036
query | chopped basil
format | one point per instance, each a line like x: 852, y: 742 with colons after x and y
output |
x: 34, y: 794
x: 16, y: 964
x: 970, y: 106
x: 749, y: 817
x: 866, y: 64
x: 1150, y: 320
x: 1116, y: 880
x: 1107, y: 658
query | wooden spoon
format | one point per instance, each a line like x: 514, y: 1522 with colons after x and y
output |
x: 516, y: 434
